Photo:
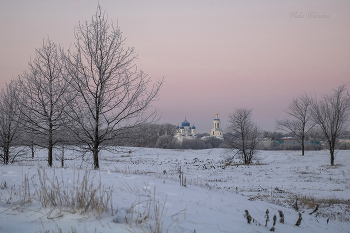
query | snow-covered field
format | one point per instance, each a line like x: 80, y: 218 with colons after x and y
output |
x: 214, y: 199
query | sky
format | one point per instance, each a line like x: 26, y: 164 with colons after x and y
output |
x: 214, y: 56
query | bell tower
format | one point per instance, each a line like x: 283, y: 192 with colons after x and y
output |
x: 216, y: 130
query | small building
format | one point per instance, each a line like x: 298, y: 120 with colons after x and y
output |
x: 288, y: 141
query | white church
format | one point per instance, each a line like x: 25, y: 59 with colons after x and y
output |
x: 185, y: 131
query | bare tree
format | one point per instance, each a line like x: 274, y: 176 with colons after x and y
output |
x: 301, y: 122
x: 10, y: 130
x: 331, y: 114
x: 148, y: 134
x: 167, y: 129
x: 244, y: 135
x: 43, y: 96
x: 112, y: 94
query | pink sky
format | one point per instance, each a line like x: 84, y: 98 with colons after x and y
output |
x: 215, y: 56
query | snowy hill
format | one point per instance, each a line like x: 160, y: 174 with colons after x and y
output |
x: 213, y: 199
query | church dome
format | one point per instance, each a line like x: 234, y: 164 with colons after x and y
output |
x: 193, y: 127
x: 185, y: 123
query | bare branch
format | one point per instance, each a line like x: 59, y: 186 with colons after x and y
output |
x: 244, y: 134
x: 10, y: 129
x: 331, y: 114
x: 43, y: 96
x: 113, y: 95
x: 301, y: 123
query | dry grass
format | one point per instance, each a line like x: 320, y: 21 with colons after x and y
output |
x: 257, y: 163
x: 305, y: 173
x: 331, y: 208
x: 3, y: 185
x: 149, y: 215
x: 128, y: 170
x: 59, y: 230
x: 82, y: 196
x: 310, y: 202
x: 332, y: 167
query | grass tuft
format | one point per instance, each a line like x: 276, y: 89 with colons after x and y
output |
x: 82, y: 196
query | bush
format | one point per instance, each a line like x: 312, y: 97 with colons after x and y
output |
x: 195, y: 144
x: 344, y: 146
x: 213, y: 142
x: 167, y: 142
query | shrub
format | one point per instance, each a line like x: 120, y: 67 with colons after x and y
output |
x: 166, y: 142
x: 195, y: 144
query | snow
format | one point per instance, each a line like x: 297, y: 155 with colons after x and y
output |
x: 214, y: 200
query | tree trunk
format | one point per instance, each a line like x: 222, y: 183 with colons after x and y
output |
x: 62, y: 157
x: 32, y: 145
x: 50, y: 155
x: 6, y: 155
x: 50, y: 146
x: 32, y: 148
x: 331, y: 150
x: 96, y: 165
x: 332, y: 156
x: 302, y: 145
x: 97, y: 141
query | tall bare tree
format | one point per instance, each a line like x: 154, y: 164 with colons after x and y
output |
x: 43, y: 96
x: 301, y: 123
x: 244, y: 134
x: 10, y: 129
x: 331, y: 114
x: 112, y: 94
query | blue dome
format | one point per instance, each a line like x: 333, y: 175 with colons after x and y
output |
x: 193, y: 127
x: 181, y: 127
x: 185, y: 123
